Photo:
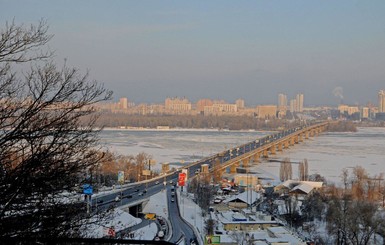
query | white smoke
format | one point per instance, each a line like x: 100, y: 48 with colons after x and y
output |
x: 338, y: 92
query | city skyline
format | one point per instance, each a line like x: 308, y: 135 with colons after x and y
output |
x: 283, y: 101
x: 147, y: 50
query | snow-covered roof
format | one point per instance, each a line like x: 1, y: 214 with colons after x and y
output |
x: 303, y: 186
x: 248, y: 197
x: 277, y: 230
x: 228, y: 218
x: 280, y: 234
x: 314, y: 184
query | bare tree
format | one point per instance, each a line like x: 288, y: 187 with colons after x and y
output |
x: 203, y: 191
x: 285, y: 171
x: 306, y: 169
x: 46, y: 144
x: 142, y: 163
x: 353, y: 217
x: 353, y: 222
x: 301, y: 171
x: 210, y: 226
x: 241, y: 237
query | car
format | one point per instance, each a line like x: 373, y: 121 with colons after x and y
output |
x: 171, y: 182
x: 117, y: 198
x: 172, y: 199
x: 157, y: 183
x: 128, y: 196
x: 140, y: 193
x: 100, y: 201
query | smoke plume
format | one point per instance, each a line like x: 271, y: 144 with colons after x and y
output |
x: 338, y: 92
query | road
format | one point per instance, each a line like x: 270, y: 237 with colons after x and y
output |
x: 179, y: 227
x: 142, y: 190
x: 139, y: 191
x: 131, y: 194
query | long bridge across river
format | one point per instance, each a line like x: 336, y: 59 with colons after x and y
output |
x: 242, y: 156
x: 135, y: 194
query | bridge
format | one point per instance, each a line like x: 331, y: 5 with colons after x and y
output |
x: 136, y: 194
x: 242, y: 156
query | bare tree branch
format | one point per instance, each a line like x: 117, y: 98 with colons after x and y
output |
x: 48, y: 138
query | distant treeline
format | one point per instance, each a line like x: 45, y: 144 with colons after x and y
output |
x: 342, y: 126
x: 189, y: 121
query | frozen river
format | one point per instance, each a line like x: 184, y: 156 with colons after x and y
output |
x: 327, y: 154
x: 175, y: 145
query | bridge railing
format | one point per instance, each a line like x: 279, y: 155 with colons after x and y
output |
x: 260, y: 142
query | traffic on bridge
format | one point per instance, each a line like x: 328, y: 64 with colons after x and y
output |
x: 134, y: 195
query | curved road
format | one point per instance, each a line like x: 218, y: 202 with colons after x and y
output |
x: 180, y: 228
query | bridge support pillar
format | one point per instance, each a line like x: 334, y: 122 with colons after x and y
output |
x: 301, y: 137
x: 307, y: 134
x: 273, y: 149
x: 265, y: 153
x: 311, y: 133
x: 257, y: 156
x: 296, y: 139
x: 233, y: 168
x: 287, y: 143
x: 292, y: 141
x: 280, y: 146
x: 245, y: 163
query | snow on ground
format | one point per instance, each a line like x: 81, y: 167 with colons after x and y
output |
x: 330, y: 152
x: 119, y: 220
x: 146, y: 233
x: 327, y: 154
x: 191, y: 212
x: 157, y: 204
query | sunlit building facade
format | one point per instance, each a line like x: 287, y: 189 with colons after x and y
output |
x: 381, y: 101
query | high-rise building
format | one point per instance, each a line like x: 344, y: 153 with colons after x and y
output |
x: 282, y: 100
x: 299, y: 104
x: 296, y: 104
x: 381, y: 101
x: 123, y: 103
x: 282, y: 105
x: 293, y: 105
x: 365, y: 112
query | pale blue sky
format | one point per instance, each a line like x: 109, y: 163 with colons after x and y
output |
x: 148, y: 50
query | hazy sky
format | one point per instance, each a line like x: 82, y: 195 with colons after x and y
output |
x: 149, y: 50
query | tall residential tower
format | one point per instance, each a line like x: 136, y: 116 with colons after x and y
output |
x: 282, y: 105
x: 381, y: 101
